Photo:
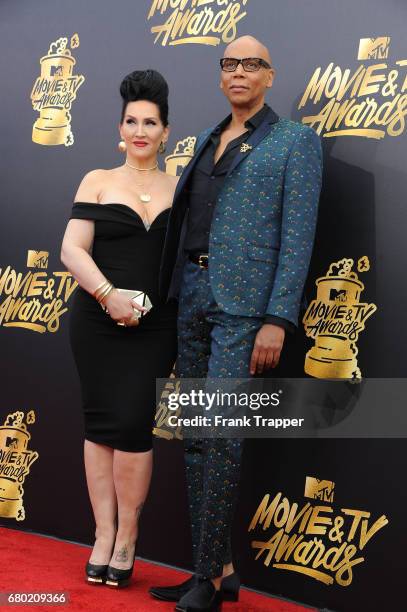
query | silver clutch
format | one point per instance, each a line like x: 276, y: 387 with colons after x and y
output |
x: 139, y: 297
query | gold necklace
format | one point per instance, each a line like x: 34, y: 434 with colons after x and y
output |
x: 141, y: 169
x: 144, y: 197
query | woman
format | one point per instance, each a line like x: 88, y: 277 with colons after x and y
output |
x: 114, y: 241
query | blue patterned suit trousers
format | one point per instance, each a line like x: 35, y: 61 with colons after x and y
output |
x: 213, y: 344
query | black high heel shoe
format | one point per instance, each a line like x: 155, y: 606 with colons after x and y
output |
x: 95, y: 574
x: 119, y: 578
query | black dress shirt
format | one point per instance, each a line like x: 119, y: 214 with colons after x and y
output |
x: 204, y: 184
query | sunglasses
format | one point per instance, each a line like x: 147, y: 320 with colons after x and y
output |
x: 250, y: 64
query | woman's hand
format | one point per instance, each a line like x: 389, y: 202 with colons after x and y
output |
x: 121, y: 308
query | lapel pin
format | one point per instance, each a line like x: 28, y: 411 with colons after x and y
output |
x: 245, y: 147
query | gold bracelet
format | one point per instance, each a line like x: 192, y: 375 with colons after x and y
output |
x: 99, y: 287
x: 99, y: 290
x: 103, y: 294
x: 106, y: 293
x: 103, y: 290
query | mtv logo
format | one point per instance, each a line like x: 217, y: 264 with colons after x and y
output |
x: 337, y: 295
x: 374, y: 48
x: 319, y: 489
x: 56, y: 71
x: 11, y: 442
x: 37, y: 259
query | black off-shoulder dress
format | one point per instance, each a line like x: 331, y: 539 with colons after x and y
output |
x: 118, y: 365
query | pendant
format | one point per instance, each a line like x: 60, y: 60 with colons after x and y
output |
x: 145, y: 197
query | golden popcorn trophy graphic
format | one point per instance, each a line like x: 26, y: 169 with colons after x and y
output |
x: 15, y: 463
x: 162, y: 428
x: 335, y: 319
x: 53, y: 93
x: 182, y: 155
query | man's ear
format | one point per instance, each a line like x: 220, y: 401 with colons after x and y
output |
x: 270, y: 79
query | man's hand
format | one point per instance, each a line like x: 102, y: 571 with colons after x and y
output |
x: 267, y: 348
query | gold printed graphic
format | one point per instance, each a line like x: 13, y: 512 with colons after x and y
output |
x: 370, y: 102
x: 374, y: 48
x: 34, y: 300
x: 204, y: 22
x: 335, y: 319
x: 182, y: 155
x: 319, y: 489
x: 162, y: 428
x: 37, y: 259
x: 15, y: 463
x: 53, y: 93
x: 335, y: 538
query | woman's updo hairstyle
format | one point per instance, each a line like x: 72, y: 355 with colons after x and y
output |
x: 147, y: 85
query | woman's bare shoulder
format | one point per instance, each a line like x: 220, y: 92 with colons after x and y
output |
x: 96, y: 175
x: 90, y: 186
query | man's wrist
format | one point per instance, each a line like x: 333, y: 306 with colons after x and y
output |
x: 280, y: 322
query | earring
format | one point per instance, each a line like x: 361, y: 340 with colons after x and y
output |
x: 122, y: 146
x: 162, y: 148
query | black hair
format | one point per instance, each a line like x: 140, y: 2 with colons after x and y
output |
x: 147, y: 85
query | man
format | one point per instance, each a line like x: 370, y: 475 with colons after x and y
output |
x: 236, y: 254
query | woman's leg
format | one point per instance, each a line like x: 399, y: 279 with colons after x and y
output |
x: 99, y: 476
x: 132, y: 476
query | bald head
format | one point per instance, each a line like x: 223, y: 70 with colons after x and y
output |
x: 247, y: 46
x: 245, y: 89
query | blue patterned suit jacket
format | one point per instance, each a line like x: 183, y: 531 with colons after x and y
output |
x: 263, y: 225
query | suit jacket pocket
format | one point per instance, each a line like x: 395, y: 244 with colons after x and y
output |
x: 263, y: 253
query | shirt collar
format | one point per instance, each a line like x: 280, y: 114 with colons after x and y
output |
x: 251, y: 124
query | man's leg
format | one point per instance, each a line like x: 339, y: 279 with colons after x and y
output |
x: 192, y: 362
x: 232, y: 340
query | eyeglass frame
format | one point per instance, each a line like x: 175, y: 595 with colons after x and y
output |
x: 263, y: 63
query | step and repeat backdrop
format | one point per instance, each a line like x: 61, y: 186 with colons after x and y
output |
x: 321, y: 521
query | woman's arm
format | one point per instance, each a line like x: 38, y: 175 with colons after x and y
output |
x: 75, y: 254
x: 78, y: 239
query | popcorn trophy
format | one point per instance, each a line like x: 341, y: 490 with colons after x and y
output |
x: 15, y: 463
x: 53, y: 93
x: 335, y: 319
x: 183, y: 152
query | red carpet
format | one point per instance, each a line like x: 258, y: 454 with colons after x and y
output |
x: 32, y: 563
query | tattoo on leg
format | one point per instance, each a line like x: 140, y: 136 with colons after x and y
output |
x: 122, y: 554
